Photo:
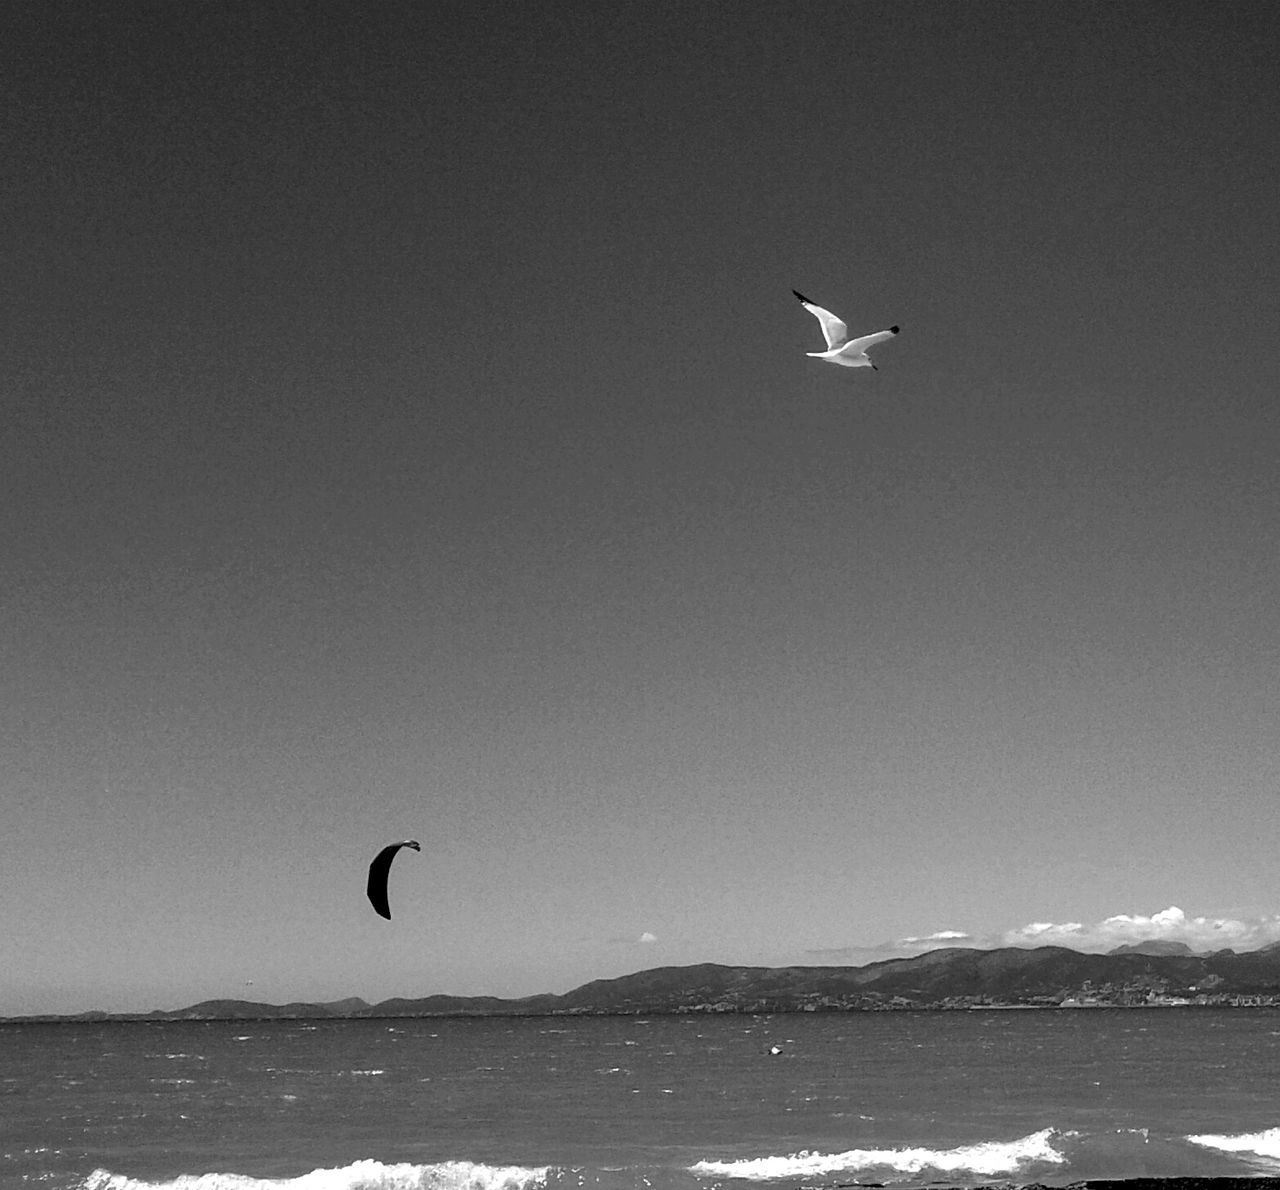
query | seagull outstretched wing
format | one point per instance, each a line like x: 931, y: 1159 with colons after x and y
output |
x: 859, y: 346
x: 833, y: 330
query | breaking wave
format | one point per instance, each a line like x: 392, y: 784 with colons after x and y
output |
x: 987, y: 1158
x: 362, y: 1175
x: 1048, y: 1155
x: 1259, y: 1148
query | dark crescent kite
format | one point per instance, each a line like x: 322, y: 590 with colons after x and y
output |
x: 379, y: 870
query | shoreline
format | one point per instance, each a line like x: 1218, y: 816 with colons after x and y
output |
x: 1235, y: 1182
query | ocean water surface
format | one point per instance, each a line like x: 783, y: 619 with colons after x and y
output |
x: 642, y: 1103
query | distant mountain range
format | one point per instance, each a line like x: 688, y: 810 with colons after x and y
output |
x: 1151, y: 973
x: 1153, y: 948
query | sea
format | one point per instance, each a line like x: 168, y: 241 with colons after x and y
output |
x: 699, y: 1102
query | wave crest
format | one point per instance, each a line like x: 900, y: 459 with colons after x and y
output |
x: 361, y: 1175
x: 988, y: 1158
x: 1263, y: 1147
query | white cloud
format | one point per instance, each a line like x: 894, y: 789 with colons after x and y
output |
x: 898, y: 948
x: 1201, y: 934
x: 935, y: 940
x: 645, y: 939
x: 1168, y: 925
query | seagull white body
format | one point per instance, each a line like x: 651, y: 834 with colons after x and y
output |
x: 842, y: 350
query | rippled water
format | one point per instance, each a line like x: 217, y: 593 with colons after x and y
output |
x: 624, y: 1103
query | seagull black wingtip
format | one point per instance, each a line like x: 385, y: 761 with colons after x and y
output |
x: 801, y: 296
x: 893, y: 330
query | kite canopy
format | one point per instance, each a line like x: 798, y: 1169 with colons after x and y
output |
x: 379, y: 870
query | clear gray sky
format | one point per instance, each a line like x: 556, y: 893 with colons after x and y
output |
x: 407, y: 432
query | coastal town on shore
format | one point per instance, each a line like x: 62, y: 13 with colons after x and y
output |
x: 1104, y: 996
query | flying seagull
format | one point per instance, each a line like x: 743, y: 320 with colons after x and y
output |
x: 842, y: 350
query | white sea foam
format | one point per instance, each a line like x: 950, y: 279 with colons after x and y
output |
x: 1264, y: 1145
x: 988, y: 1158
x: 362, y: 1175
